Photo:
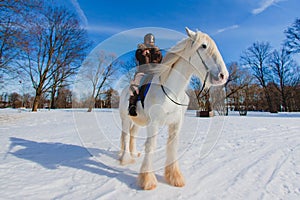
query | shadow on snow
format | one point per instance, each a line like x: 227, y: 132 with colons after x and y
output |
x: 53, y: 155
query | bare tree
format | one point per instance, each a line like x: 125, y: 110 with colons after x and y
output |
x: 110, y: 100
x: 99, y: 70
x: 294, y: 102
x: 8, y: 33
x: 16, y: 100
x: 12, y: 15
x: 64, y: 98
x: 239, y: 80
x: 284, y: 69
x: 292, y: 42
x: 217, y: 98
x: 8, y: 44
x: 55, y: 42
x: 256, y: 57
x: 61, y: 79
x: 201, y: 94
x: 128, y: 69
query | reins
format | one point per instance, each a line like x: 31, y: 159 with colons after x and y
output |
x: 180, y: 104
x: 203, y: 86
x: 206, y: 76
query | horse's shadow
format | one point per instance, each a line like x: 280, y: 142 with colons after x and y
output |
x: 53, y: 155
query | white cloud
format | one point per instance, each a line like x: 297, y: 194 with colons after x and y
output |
x: 104, y: 29
x: 80, y: 12
x: 227, y: 28
x: 264, y: 4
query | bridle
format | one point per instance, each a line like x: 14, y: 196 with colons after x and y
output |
x: 203, y: 86
x: 206, y: 75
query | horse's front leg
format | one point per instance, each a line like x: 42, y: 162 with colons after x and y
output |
x: 147, y: 179
x: 132, y: 146
x: 125, y: 143
x: 173, y: 174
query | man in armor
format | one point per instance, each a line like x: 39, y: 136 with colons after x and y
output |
x: 145, y: 54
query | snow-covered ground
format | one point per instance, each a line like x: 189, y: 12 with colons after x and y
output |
x: 72, y: 154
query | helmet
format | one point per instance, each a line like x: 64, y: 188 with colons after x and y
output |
x: 148, y: 38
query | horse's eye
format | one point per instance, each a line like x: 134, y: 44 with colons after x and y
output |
x: 204, y: 46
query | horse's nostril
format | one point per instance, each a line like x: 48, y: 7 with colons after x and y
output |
x: 221, y: 75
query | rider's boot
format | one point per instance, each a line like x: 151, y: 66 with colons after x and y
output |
x: 132, y: 104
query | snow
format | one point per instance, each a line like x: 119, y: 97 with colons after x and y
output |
x: 72, y: 154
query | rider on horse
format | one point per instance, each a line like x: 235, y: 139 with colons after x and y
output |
x: 146, y: 54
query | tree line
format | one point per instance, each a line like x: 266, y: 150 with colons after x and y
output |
x: 45, y: 45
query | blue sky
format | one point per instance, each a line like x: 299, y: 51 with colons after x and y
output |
x: 233, y: 24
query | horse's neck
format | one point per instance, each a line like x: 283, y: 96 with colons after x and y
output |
x: 179, y: 77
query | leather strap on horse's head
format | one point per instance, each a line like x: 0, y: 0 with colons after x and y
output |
x: 207, y: 72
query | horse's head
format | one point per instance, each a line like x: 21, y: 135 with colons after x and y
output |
x: 205, y: 57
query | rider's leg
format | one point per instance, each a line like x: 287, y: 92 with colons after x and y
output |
x: 132, y: 104
x: 134, y: 90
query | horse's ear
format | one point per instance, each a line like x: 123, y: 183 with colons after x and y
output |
x: 189, y: 32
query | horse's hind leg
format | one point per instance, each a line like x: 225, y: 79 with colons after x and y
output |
x: 125, y: 143
x: 132, y: 146
x: 173, y: 174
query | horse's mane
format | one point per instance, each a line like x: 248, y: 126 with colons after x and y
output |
x: 176, y: 52
x: 171, y: 57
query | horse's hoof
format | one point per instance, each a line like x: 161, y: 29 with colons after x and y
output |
x: 120, y: 154
x: 136, y: 154
x: 173, y: 176
x: 126, y: 160
x: 147, y: 181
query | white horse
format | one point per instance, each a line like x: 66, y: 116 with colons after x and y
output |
x: 166, y: 103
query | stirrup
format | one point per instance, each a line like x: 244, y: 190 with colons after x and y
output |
x: 132, y: 110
